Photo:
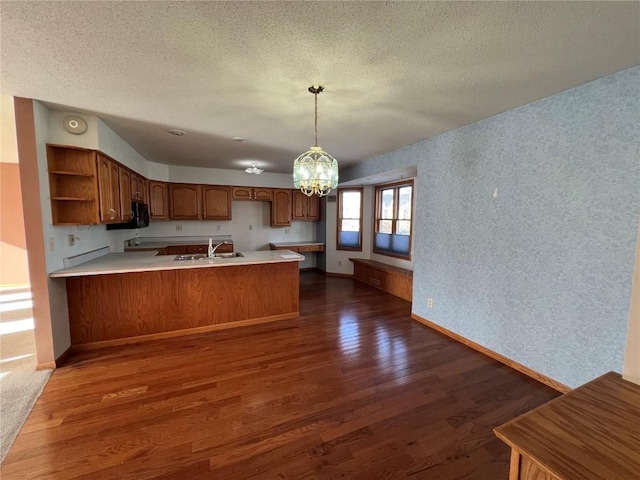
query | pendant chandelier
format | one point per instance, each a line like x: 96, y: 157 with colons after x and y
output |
x: 315, y: 171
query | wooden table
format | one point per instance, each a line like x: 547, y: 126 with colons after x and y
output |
x: 590, y: 433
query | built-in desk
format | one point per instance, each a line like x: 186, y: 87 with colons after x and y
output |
x: 301, y: 247
x: 590, y: 433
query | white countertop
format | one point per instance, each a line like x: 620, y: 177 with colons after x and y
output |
x: 295, y: 244
x: 149, y: 261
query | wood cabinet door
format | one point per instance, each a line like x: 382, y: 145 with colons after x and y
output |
x: 114, y: 180
x: 191, y: 249
x: 281, y: 208
x: 144, y: 190
x: 216, y: 200
x: 299, y: 211
x: 125, y: 194
x: 184, y: 201
x: 108, y: 190
x: 137, y: 188
x: 263, y: 194
x: 313, y: 208
x: 158, y: 200
x: 242, y: 193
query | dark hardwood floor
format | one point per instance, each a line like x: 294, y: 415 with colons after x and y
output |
x: 354, y: 389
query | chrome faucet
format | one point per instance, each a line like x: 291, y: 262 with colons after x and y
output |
x: 212, y: 250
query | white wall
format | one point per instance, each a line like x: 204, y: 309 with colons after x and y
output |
x: 217, y: 176
x: 60, y: 136
x: 111, y: 144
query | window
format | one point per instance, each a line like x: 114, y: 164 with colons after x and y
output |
x: 349, y: 219
x: 392, y: 235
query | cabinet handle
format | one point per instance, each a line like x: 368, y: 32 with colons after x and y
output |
x: 374, y: 281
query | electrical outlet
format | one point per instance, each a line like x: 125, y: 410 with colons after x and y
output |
x: 52, y: 244
x: 178, y: 228
x: 430, y: 302
x: 218, y: 227
x: 286, y: 231
x: 250, y: 227
x: 339, y: 263
x: 71, y: 239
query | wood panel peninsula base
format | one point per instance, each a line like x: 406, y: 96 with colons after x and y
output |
x: 120, y: 308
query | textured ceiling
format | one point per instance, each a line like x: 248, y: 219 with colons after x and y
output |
x: 394, y: 72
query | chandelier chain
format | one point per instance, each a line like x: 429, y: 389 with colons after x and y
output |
x: 316, y: 118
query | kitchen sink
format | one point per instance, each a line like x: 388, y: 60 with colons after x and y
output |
x: 202, y: 256
x: 228, y: 255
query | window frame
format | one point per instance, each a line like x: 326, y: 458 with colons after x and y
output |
x: 340, y: 218
x: 377, y: 215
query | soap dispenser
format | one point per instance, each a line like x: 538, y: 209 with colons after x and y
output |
x: 210, y: 249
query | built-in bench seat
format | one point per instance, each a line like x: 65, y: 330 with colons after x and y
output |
x: 394, y: 280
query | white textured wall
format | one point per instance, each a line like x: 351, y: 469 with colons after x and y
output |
x: 542, y: 272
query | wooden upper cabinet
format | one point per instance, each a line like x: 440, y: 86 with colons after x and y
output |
x: 216, y: 200
x: 125, y: 194
x: 242, y: 193
x: 263, y: 194
x: 185, y: 201
x: 88, y: 187
x: 73, y: 185
x: 313, y: 208
x: 145, y: 190
x: 305, y: 208
x: 159, y: 200
x: 281, y: 208
x: 108, y: 189
x: 139, y: 186
x: 252, y: 193
x: 299, y: 209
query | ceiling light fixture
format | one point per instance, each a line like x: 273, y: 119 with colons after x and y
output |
x: 254, y: 169
x: 315, y: 171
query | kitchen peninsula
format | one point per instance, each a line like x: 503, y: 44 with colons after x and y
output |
x: 123, y: 298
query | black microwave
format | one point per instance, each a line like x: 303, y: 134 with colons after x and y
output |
x: 139, y: 218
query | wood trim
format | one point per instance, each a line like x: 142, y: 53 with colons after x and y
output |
x: 340, y: 275
x: 63, y: 358
x: 514, y: 465
x: 185, y: 332
x: 550, y: 382
x: 46, y: 366
x: 377, y: 192
x: 339, y: 219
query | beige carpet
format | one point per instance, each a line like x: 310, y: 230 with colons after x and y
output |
x: 20, y: 383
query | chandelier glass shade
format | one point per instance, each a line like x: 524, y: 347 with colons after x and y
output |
x: 315, y: 172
